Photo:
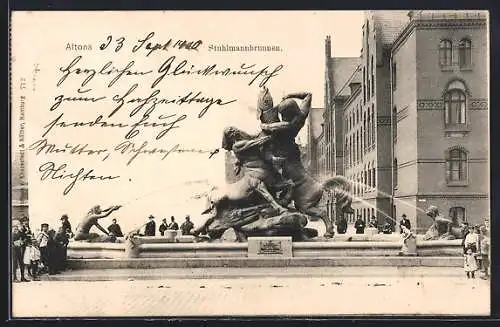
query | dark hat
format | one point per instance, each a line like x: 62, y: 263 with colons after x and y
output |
x: 403, y: 215
x: 44, y: 225
x: 65, y: 216
x: 151, y: 216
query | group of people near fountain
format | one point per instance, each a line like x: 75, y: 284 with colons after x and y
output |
x: 39, y: 253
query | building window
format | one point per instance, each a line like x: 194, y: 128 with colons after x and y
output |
x: 445, y: 53
x: 374, y: 124
x: 369, y: 182
x: 454, y: 107
x: 395, y: 124
x: 394, y: 75
x: 364, y: 85
x: 374, y: 178
x: 365, y: 133
x: 365, y: 177
x: 395, y: 177
x: 373, y: 78
x: 356, y: 157
x: 458, y: 214
x: 456, y: 166
x: 464, y: 53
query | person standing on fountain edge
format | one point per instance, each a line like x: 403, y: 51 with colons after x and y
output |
x: 66, y: 225
x: 404, y: 222
x: 163, y: 227
x: 187, y: 226
x: 342, y: 226
x: 173, y: 225
x: 360, y: 225
x: 150, y: 229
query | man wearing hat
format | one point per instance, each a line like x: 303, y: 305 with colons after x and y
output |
x: 173, y: 224
x: 65, y: 224
x: 42, y: 240
x: 18, y: 245
x: 404, y: 222
x: 163, y: 227
x: 187, y: 226
x: 150, y: 229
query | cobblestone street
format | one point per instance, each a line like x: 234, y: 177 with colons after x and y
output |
x: 175, y: 297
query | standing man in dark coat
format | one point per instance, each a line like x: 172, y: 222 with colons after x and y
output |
x: 18, y: 244
x: 163, y: 227
x: 52, y: 253
x: 61, y: 240
x: 342, y: 226
x: 360, y: 225
x: 173, y: 225
x: 150, y: 229
x: 404, y: 222
x: 65, y: 224
x: 187, y: 226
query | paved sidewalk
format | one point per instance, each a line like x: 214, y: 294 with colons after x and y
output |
x: 283, y: 296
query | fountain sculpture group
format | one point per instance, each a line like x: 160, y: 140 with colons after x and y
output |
x: 275, y: 196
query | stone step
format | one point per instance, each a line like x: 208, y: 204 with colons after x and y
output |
x: 262, y: 272
x: 153, y: 263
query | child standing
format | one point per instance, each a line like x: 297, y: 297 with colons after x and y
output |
x: 470, y: 263
x: 32, y: 257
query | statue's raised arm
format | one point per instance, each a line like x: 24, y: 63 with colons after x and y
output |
x: 305, y: 105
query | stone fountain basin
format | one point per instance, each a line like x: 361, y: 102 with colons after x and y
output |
x: 378, y: 245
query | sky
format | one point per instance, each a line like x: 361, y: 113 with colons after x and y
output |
x: 150, y: 185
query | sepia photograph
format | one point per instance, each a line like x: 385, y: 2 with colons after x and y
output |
x: 250, y: 163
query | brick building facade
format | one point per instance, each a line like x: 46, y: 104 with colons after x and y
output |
x: 440, y: 109
x: 408, y: 126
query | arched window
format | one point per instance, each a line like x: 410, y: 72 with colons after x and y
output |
x: 374, y: 123
x: 369, y: 131
x: 456, y: 165
x: 365, y: 182
x: 464, y: 53
x: 454, y: 107
x: 373, y: 78
x: 374, y: 182
x: 356, y: 156
x: 365, y: 133
x: 369, y: 177
x: 445, y: 53
x: 364, y: 85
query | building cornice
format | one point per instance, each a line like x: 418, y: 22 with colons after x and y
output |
x: 438, y: 23
x: 444, y: 195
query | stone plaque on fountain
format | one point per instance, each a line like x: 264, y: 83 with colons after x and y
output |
x: 259, y: 247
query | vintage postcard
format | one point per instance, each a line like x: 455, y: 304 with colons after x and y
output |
x: 242, y: 163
